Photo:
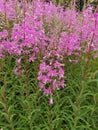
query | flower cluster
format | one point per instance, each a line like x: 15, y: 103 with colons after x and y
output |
x: 47, y: 33
x: 8, y: 8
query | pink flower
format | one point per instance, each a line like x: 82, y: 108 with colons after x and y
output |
x: 61, y: 73
x: 5, y: 33
x: 18, y: 70
x: 51, y: 100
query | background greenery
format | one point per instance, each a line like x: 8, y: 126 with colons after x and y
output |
x: 75, y: 107
x: 24, y: 107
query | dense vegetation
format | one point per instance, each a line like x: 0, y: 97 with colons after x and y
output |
x: 48, y: 66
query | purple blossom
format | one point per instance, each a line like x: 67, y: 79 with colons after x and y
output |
x: 51, y: 100
x: 47, y: 34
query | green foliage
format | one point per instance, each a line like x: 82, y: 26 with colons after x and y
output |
x: 75, y: 107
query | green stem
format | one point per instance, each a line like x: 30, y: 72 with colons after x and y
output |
x: 27, y: 90
x: 27, y: 72
x: 88, y: 61
x: 50, y: 117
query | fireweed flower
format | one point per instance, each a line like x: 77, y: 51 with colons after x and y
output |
x: 47, y: 33
x: 18, y: 70
x: 51, y: 100
x: 8, y: 8
x: 51, y: 74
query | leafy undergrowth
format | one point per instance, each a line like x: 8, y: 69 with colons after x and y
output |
x: 75, y: 107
